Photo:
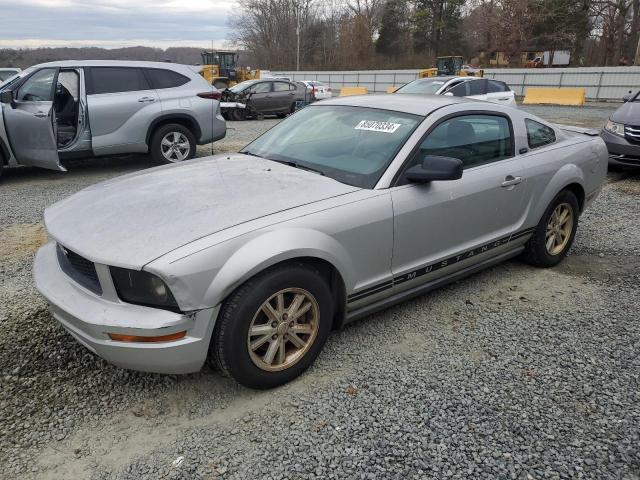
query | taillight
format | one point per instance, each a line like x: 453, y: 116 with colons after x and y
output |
x: 211, y: 95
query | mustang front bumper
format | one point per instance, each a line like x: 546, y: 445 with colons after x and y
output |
x: 90, y: 318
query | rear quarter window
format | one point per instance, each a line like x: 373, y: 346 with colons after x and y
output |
x: 539, y: 135
x: 160, y: 78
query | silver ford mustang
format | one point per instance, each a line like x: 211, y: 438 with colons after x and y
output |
x: 249, y: 260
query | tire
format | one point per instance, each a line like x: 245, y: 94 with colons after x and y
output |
x: 230, y: 347
x: 237, y: 114
x: 177, y: 135
x: 537, y: 251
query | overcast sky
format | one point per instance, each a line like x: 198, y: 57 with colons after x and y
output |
x: 113, y: 23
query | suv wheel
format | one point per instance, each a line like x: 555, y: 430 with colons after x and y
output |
x: 554, y: 234
x: 273, y: 327
x: 172, y: 143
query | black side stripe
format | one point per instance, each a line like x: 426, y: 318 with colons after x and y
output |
x: 436, y: 266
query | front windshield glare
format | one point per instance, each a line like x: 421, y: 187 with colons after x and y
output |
x: 353, y: 145
x: 422, y: 87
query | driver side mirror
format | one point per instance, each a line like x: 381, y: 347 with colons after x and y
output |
x: 6, y: 97
x: 434, y: 167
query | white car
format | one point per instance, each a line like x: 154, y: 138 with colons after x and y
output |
x: 474, y: 87
x: 6, y: 73
x: 318, y: 89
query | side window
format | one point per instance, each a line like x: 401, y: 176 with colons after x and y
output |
x: 262, y: 87
x: 477, y: 87
x: 460, y: 90
x: 474, y: 139
x: 281, y: 87
x: 538, y: 134
x: 115, y: 80
x: 38, y: 87
x: 159, y: 78
x: 495, y: 86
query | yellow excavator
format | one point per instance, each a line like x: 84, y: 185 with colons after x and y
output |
x: 450, y: 65
x: 220, y: 69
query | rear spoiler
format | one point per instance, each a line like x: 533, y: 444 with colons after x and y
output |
x: 585, y: 131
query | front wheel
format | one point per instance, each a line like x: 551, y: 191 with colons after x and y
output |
x: 172, y: 143
x: 555, y: 232
x: 273, y: 327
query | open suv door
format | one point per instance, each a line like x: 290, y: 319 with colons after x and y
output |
x: 29, y: 120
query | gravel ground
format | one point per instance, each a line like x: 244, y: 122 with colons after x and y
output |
x: 512, y: 373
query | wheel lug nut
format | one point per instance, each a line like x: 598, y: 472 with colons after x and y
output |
x: 274, y: 337
x: 291, y: 324
x: 274, y: 324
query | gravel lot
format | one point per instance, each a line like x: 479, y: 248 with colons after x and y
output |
x: 512, y: 373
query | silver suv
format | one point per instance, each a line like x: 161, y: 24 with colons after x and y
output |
x: 74, y: 109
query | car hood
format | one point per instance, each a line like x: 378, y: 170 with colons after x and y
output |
x: 628, y: 113
x: 137, y: 218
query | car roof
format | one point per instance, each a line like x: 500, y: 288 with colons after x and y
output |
x: 406, y: 103
x: 112, y: 63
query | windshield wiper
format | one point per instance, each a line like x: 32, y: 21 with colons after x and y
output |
x: 247, y: 152
x: 291, y: 163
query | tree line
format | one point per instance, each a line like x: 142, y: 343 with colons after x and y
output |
x: 23, y: 58
x: 378, y: 34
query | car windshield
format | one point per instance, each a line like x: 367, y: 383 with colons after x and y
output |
x: 422, y: 86
x: 242, y: 86
x: 353, y: 145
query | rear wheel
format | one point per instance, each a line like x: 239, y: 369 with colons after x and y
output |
x: 273, y: 327
x: 555, y: 233
x: 172, y: 143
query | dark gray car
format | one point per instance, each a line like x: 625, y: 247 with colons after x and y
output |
x: 621, y: 133
x: 269, y: 96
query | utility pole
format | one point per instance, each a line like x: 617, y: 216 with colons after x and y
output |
x: 297, y: 8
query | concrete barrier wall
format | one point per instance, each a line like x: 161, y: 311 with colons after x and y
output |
x: 600, y: 83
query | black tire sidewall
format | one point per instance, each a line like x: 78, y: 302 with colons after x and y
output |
x: 537, y: 253
x: 158, y: 135
x: 230, y: 334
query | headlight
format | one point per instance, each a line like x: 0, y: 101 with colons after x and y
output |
x: 142, y: 288
x: 615, y: 128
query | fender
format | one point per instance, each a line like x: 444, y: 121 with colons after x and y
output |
x: 174, y: 116
x: 274, y: 247
x: 566, y: 175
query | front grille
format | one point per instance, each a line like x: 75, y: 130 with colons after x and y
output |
x: 632, y: 133
x: 79, y: 269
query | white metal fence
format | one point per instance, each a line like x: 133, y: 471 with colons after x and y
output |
x: 601, y: 83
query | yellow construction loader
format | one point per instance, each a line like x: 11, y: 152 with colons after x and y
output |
x: 450, y: 65
x: 220, y: 69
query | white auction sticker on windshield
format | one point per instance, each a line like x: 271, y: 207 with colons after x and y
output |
x: 376, y: 126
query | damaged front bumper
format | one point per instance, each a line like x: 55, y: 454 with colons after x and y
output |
x: 90, y: 318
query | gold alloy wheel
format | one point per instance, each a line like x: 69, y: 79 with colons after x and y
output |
x: 283, y: 329
x: 559, y: 229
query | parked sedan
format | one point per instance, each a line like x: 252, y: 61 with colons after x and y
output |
x: 318, y: 90
x: 263, y: 97
x: 477, y: 88
x: 348, y: 206
x: 621, y: 133
x: 81, y: 109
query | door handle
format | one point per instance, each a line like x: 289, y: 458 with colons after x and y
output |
x: 510, y: 181
x: 146, y: 99
x: 41, y: 114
